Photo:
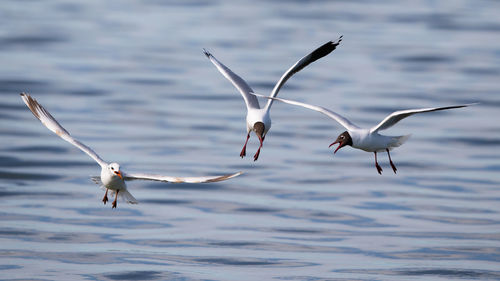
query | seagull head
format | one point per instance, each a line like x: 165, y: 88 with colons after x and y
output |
x: 115, y: 169
x: 343, y: 140
x: 260, y: 129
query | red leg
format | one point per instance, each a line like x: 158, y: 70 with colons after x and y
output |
x: 244, y: 150
x: 379, y: 169
x: 114, y: 202
x: 256, y: 156
x: 105, y: 198
x: 390, y: 161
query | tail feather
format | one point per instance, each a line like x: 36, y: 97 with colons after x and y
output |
x: 97, y: 180
x: 398, y: 141
x: 123, y: 194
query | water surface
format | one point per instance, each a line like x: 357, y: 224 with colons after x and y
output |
x: 130, y: 80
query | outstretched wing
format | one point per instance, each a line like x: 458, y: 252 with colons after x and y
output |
x: 397, y: 116
x: 335, y: 116
x: 51, y: 123
x: 240, y: 84
x: 142, y: 176
x: 320, y: 52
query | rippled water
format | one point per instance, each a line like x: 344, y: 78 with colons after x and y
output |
x: 130, y: 80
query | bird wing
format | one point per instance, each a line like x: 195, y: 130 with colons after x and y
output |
x: 335, y: 116
x: 153, y: 177
x: 51, y: 123
x: 320, y: 52
x: 240, y: 84
x: 397, y: 116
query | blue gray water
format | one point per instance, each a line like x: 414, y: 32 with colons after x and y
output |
x: 129, y: 79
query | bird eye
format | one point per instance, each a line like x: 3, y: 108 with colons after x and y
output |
x: 342, y: 137
x: 112, y: 168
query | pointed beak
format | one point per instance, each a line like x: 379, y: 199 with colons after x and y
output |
x: 340, y: 145
x: 118, y: 173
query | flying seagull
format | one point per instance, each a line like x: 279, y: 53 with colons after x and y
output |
x: 112, y: 178
x: 258, y: 119
x: 368, y: 139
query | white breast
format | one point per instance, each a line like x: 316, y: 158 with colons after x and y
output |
x: 110, y: 181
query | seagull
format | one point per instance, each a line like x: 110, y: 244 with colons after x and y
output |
x: 258, y: 119
x: 112, y: 178
x: 369, y: 140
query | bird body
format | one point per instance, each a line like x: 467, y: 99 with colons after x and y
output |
x: 255, y: 115
x: 258, y: 115
x: 111, y: 178
x: 258, y: 119
x: 369, y: 140
x: 374, y: 142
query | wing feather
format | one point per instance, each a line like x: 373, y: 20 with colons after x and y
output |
x: 51, y: 123
x: 153, y: 177
x: 315, y: 55
x: 240, y: 84
x: 397, y: 116
x: 333, y: 115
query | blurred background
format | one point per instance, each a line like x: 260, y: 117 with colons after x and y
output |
x: 129, y: 79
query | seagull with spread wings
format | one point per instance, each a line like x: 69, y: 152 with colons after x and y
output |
x: 112, y: 178
x: 368, y: 139
x: 258, y: 119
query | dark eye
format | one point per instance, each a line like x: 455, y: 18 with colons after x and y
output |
x: 342, y: 137
x: 112, y: 168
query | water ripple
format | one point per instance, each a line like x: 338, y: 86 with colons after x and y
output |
x: 426, y: 271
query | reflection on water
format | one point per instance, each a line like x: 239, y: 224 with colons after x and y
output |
x: 131, y: 81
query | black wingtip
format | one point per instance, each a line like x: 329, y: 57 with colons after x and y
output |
x: 206, y: 53
x: 325, y: 49
x: 334, y: 44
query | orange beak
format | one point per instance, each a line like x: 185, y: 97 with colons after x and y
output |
x: 119, y: 174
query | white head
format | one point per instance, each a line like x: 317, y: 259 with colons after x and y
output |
x: 114, y: 169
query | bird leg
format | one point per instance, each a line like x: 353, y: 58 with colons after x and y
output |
x: 244, y: 150
x: 390, y: 161
x: 105, y: 198
x: 114, y: 202
x: 256, y: 156
x: 379, y: 169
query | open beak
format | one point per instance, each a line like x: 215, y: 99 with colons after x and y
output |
x: 118, y: 173
x: 340, y: 145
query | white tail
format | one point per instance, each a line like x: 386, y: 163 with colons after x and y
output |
x: 123, y: 194
x: 398, y: 141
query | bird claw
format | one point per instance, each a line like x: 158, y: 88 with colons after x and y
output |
x: 379, y: 169
x: 256, y: 156
x: 114, y: 205
x: 393, y: 167
x: 243, y: 152
x: 105, y: 198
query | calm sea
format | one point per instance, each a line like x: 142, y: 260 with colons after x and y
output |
x: 129, y: 79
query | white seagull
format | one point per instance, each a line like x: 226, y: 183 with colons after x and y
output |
x: 258, y: 119
x: 112, y: 178
x: 368, y: 139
